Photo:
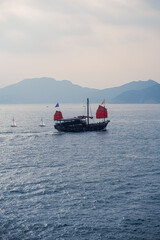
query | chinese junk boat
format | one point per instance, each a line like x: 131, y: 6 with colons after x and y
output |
x: 81, y: 123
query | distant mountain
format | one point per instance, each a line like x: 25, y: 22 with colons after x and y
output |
x: 43, y: 90
x: 48, y: 90
x: 146, y: 95
x: 111, y: 93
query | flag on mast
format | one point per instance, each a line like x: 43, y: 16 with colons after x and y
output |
x: 57, y: 105
x: 103, y: 102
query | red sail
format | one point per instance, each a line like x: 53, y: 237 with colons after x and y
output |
x: 58, y: 116
x: 101, y: 112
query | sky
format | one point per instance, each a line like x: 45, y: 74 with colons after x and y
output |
x: 92, y: 43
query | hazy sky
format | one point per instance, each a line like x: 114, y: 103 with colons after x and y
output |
x: 93, y: 43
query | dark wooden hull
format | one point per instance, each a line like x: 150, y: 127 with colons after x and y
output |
x: 66, y: 127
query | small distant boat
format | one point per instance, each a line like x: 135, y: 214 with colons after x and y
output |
x: 13, y: 123
x: 81, y: 123
x: 42, y: 124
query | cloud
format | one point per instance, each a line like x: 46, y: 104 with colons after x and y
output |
x: 38, y: 25
x: 80, y: 34
x: 32, y: 26
x: 155, y: 4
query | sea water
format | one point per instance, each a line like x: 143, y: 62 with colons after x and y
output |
x: 92, y: 185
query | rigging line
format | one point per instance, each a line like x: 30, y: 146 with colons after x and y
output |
x: 84, y: 109
x: 91, y: 113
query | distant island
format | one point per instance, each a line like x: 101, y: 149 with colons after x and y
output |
x: 49, y: 91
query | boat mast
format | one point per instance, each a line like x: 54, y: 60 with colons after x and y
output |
x: 88, y: 111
